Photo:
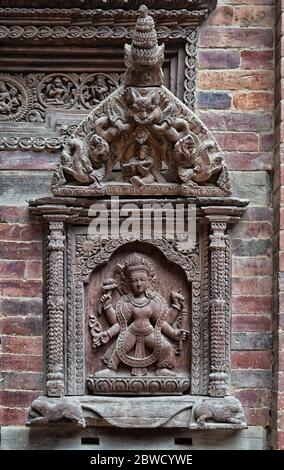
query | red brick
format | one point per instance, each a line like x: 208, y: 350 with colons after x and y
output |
x: 257, y: 229
x: 218, y: 59
x: 249, y: 161
x: 17, y: 398
x: 20, y: 306
x: 12, y: 269
x: 21, y: 250
x: 241, y: 141
x: 252, y: 285
x: 21, y: 326
x: 14, y: 214
x: 280, y: 380
x: 223, y: 15
x: 236, y: 37
x: 28, y: 161
x: 235, y: 80
x: 13, y: 416
x: 253, y: 397
x: 248, y: 15
x: 20, y: 288
x: 253, y: 101
x: 20, y: 232
x: 22, y: 345
x: 252, y: 304
x: 280, y: 440
x: 257, y: 416
x: 251, y: 60
x: 231, y: 121
x: 281, y: 361
x: 281, y: 261
x: 258, y: 214
x: 280, y: 398
x: 251, y: 2
x: 251, y: 323
x: 266, y: 142
x: 21, y: 362
x: 22, y: 380
x: 33, y: 270
x: 251, y: 360
x: 258, y: 266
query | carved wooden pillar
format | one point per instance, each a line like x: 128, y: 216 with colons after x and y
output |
x: 55, y: 309
x: 218, y: 377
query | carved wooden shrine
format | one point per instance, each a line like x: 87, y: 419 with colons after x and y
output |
x: 137, y: 327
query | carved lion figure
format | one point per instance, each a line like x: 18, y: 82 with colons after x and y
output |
x: 224, y: 410
x: 45, y: 411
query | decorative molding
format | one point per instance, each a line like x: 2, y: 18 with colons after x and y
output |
x: 135, y: 385
x: 90, y: 253
x: 191, y: 48
x: 83, y: 5
x: 55, y: 310
x: 196, y: 338
x: 36, y: 144
x: 95, y: 14
x: 218, y: 376
x: 28, y: 98
x: 85, y: 33
x: 205, y: 308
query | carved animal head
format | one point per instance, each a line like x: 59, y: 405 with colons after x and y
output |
x: 143, y: 109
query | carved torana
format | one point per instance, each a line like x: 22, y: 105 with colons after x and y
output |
x: 160, y: 146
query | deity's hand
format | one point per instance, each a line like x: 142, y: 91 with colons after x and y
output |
x: 177, y: 299
x: 106, y: 300
x: 101, y: 338
x: 180, y: 334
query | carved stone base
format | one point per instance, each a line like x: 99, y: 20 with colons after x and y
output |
x: 138, y: 385
x: 127, y: 189
x: 184, y: 412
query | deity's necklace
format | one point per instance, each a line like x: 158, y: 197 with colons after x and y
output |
x: 140, y: 304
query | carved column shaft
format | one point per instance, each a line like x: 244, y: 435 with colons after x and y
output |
x: 55, y: 310
x: 218, y: 374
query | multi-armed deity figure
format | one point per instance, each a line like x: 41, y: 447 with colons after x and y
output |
x: 140, y: 320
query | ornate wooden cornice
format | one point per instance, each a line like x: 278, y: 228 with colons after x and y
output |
x: 107, y: 4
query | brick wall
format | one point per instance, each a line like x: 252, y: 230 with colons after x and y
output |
x: 235, y: 98
x: 20, y: 313
x: 277, y: 435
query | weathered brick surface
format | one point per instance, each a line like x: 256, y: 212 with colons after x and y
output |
x: 277, y: 405
x: 22, y: 380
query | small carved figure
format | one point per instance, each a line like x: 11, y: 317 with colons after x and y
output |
x: 45, y: 411
x: 82, y: 167
x: 57, y: 93
x: 143, y: 109
x: 140, y: 169
x: 225, y: 410
x: 10, y: 98
x: 138, y: 321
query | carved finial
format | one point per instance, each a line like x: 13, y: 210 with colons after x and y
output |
x: 144, y: 55
x: 143, y: 11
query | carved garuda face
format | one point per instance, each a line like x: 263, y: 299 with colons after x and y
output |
x: 143, y: 110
